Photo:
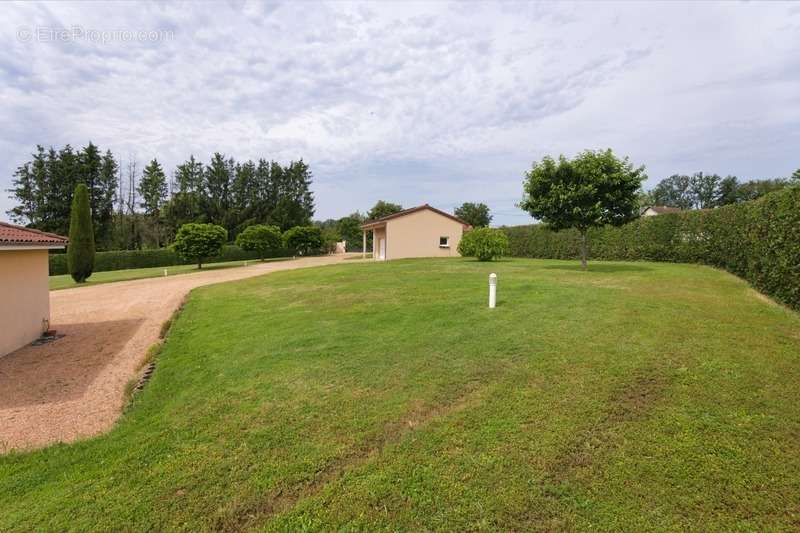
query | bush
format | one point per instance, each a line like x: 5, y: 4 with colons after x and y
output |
x: 196, y: 242
x: 484, y: 244
x: 260, y: 238
x: 758, y: 241
x: 161, y: 257
x: 80, y: 250
x: 306, y: 240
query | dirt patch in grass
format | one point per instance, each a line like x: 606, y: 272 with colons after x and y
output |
x: 630, y: 403
x: 284, y: 498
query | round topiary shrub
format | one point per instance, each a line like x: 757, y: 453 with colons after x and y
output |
x: 260, y: 238
x: 196, y: 242
x: 305, y: 240
x: 484, y: 244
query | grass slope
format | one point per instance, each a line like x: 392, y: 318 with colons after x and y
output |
x: 387, y: 396
x: 66, y: 282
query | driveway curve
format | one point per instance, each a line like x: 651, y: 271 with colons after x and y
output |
x: 74, y: 387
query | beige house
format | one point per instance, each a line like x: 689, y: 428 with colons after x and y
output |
x: 655, y: 210
x: 24, y: 292
x: 417, y: 232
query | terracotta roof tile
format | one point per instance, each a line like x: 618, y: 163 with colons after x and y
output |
x: 408, y: 212
x: 11, y: 235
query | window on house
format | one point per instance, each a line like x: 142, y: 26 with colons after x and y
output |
x: 444, y: 242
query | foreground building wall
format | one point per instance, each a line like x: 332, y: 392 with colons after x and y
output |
x: 24, y: 297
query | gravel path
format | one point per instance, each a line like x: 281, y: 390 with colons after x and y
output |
x: 73, y: 387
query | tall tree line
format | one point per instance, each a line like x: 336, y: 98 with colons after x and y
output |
x: 43, y: 188
x: 134, y: 209
x: 705, y: 191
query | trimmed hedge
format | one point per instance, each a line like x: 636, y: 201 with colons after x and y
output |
x: 125, y: 259
x: 758, y: 241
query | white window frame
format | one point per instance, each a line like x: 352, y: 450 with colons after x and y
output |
x: 447, y: 242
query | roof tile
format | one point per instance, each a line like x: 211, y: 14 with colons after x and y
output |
x: 11, y: 235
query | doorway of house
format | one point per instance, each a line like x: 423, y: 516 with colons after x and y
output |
x: 382, y: 249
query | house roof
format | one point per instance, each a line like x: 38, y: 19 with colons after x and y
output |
x: 379, y: 221
x: 11, y: 235
x: 661, y: 209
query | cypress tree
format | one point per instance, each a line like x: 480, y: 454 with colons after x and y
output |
x: 80, y: 251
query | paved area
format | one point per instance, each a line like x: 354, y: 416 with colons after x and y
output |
x: 74, y: 387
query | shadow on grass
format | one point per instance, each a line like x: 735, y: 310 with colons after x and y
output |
x: 606, y: 268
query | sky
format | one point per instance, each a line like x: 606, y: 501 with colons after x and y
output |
x: 411, y: 103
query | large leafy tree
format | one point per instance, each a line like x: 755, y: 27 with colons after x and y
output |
x: 705, y: 190
x: 383, y: 209
x: 198, y: 242
x: 728, y: 192
x: 81, y: 249
x: 674, y: 191
x: 476, y: 215
x: 593, y: 189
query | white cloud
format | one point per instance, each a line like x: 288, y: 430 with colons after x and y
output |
x: 424, y: 102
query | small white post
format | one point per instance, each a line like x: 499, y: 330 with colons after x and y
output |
x: 492, y: 290
x: 165, y: 272
x: 245, y: 263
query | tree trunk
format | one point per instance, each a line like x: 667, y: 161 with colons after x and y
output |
x: 584, y: 250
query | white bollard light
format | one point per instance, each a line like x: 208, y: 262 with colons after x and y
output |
x: 165, y: 272
x: 492, y: 290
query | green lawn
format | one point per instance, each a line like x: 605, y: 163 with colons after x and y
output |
x: 386, y: 396
x: 66, y: 282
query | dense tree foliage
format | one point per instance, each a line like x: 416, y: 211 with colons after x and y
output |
x: 81, y: 249
x: 260, y: 238
x: 133, y: 208
x: 305, y: 240
x: 43, y: 188
x: 476, y: 215
x: 153, y: 192
x: 705, y: 191
x: 196, y: 242
x: 484, y: 244
x: 349, y: 229
x: 383, y: 209
x: 593, y: 189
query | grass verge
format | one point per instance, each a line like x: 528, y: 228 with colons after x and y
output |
x: 66, y: 282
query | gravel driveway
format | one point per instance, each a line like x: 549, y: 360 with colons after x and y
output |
x: 74, y: 387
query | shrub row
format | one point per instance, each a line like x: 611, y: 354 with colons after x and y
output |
x: 758, y: 241
x: 124, y: 259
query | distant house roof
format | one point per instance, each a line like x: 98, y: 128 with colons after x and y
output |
x: 379, y: 221
x: 661, y: 209
x: 18, y: 236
